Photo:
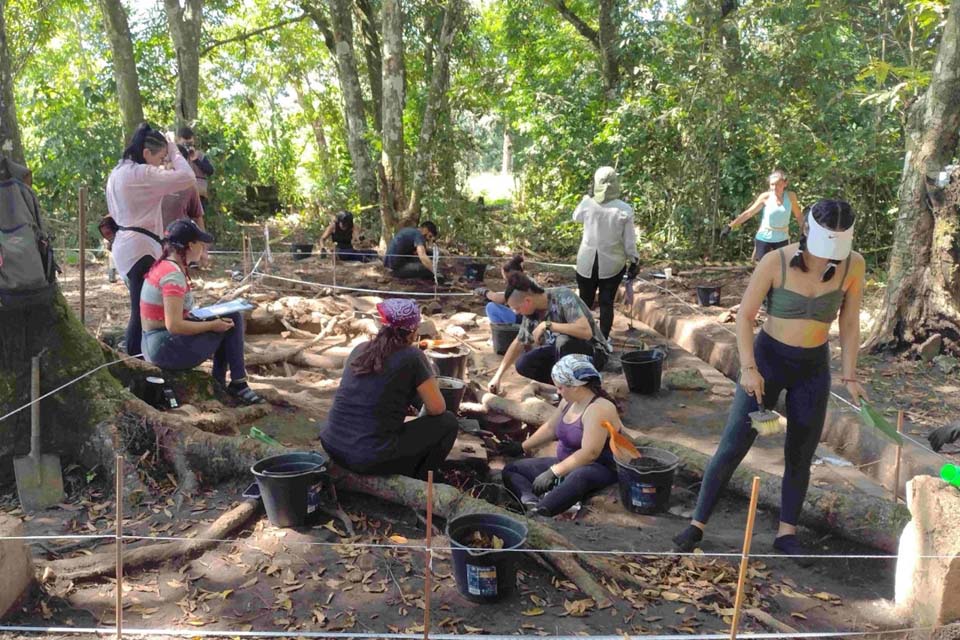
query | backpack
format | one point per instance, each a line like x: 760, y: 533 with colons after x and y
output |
x: 28, y: 271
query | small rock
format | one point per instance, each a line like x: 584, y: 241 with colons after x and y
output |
x: 946, y: 364
x: 685, y: 379
x: 432, y: 308
x: 428, y: 329
x: 464, y: 319
x: 931, y: 347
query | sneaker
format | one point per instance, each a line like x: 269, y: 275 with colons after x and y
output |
x: 688, y: 539
x: 789, y: 545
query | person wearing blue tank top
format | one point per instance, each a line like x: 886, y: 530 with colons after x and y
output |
x: 777, y: 204
x: 791, y: 353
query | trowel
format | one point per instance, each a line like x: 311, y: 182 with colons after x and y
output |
x: 39, y: 477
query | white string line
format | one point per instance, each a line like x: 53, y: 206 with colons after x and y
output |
x: 836, y: 396
x: 438, y: 636
x: 374, y: 291
x: 64, y: 386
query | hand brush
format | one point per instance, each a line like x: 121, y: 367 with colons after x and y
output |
x: 767, y: 422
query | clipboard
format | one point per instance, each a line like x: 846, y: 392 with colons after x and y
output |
x: 222, y: 309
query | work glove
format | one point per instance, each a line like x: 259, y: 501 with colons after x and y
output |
x: 481, y: 292
x: 545, y: 482
x: 944, y: 435
x: 633, y: 269
x: 725, y: 232
x: 511, y: 449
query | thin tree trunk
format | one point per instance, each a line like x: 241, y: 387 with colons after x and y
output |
x: 372, y: 53
x: 124, y: 64
x: 10, y: 143
x: 923, y: 290
x: 506, y: 161
x: 394, y: 94
x: 185, y: 21
x: 341, y: 26
x: 439, y: 80
x: 319, y: 135
x: 609, y: 42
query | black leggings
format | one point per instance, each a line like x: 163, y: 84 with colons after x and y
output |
x: 805, y: 374
x: 135, y: 278
x: 608, y: 292
x: 537, y: 363
x: 518, y: 476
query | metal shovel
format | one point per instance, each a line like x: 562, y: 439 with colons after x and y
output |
x: 39, y: 477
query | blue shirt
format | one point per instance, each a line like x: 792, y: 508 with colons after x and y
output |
x: 775, y: 224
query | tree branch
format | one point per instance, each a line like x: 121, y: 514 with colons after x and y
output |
x: 249, y: 34
x: 323, y: 24
x: 585, y: 30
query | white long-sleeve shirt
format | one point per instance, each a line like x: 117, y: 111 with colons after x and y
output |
x: 134, y: 194
x: 609, y: 236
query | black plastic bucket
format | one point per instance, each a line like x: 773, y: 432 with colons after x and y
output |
x: 646, y: 482
x: 503, y: 336
x: 643, y: 370
x: 483, y: 575
x: 708, y: 296
x: 302, y: 251
x: 290, y: 486
x: 452, y: 390
x: 474, y: 271
x: 452, y: 364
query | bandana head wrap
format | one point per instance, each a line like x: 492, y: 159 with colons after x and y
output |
x: 399, y: 313
x: 574, y: 370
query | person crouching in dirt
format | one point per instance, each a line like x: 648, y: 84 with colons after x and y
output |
x: 497, y: 310
x: 805, y: 285
x: 342, y: 232
x: 407, y: 255
x: 173, y: 341
x: 556, y: 323
x: 366, y: 432
x: 584, y: 463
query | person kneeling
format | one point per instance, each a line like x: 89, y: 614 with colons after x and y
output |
x: 584, y: 463
x: 366, y: 432
x: 173, y: 341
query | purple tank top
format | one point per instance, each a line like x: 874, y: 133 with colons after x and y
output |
x: 570, y: 437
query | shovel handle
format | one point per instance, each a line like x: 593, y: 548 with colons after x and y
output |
x: 35, y: 407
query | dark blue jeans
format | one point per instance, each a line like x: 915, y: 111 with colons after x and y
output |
x: 537, y: 363
x: 805, y: 375
x: 518, y: 476
x: 356, y: 255
x: 177, y: 352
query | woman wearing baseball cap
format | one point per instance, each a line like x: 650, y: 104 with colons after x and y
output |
x: 806, y: 285
x: 173, y: 341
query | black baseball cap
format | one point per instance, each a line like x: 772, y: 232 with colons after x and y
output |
x: 183, y: 232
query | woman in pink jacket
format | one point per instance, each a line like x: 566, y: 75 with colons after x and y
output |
x: 135, y: 190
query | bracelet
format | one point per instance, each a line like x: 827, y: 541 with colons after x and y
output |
x: 554, y: 471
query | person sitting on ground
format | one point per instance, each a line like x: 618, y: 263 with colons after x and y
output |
x: 556, y: 322
x: 609, y: 243
x: 791, y: 352
x: 777, y: 205
x: 171, y: 340
x: 497, y: 310
x: 342, y: 231
x: 584, y: 463
x: 382, y: 378
x: 407, y: 255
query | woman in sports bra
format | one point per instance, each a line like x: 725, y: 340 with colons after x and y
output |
x: 584, y: 461
x: 777, y: 204
x: 806, y: 285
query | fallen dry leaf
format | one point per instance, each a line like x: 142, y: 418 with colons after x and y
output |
x: 536, y: 611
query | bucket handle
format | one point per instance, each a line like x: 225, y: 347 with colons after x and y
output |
x: 320, y: 470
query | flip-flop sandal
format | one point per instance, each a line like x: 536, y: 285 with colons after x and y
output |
x: 245, y: 394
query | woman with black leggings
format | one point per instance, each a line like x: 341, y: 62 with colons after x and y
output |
x: 584, y: 463
x: 805, y: 285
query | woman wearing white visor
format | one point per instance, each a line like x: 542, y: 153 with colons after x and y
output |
x: 790, y: 353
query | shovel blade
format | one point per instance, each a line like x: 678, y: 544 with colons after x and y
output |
x: 39, y: 481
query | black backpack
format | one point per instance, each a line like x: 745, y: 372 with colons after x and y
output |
x: 28, y: 272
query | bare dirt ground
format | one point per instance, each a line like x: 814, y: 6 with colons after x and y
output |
x: 318, y: 577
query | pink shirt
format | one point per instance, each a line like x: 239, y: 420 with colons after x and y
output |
x: 134, y: 195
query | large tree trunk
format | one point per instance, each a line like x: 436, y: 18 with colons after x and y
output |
x: 923, y: 289
x: 609, y: 42
x: 185, y: 21
x: 11, y: 145
x: 439, y: 80
x: 394, y: 97
x: 341, y: 26
x: 124, y: 64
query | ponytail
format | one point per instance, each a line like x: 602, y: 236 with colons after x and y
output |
x: 598, y: 390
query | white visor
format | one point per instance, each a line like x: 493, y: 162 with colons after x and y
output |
x: 825, y: 243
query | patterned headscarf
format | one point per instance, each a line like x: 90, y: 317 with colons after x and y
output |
x: 400, y: 313
x: 574, y: 370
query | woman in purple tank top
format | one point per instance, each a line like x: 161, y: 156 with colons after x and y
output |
x: 584, y: 462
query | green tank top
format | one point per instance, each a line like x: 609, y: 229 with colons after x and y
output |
x: 790, y: 305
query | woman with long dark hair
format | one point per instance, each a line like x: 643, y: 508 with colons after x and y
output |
x: 171, y: 339
x: 497, y: 309
x: 135, y: 191
x: 804, y: 292
x: 381, y: 379
x: 584, y: 463
x: 341, y: 230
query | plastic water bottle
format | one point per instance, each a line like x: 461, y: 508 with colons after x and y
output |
x: 951, y: 473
